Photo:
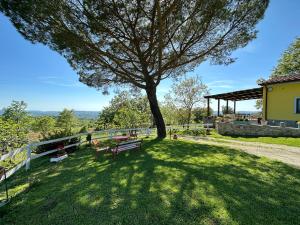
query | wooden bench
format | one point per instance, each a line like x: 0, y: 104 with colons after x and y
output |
x: 124, y: 146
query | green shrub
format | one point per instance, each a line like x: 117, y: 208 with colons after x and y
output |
x: 52, y: 146
x: 194, y: 132
x: 84, y: 129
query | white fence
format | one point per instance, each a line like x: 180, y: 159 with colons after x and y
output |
x: 104, y: 134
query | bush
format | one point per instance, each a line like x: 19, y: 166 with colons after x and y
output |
x: 12, y: 135
x: 52, y: 146
x: 84, y: 129
x: 196, y: 132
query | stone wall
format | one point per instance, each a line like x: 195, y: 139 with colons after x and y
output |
x: 288, y: 123
x: 231, y: 129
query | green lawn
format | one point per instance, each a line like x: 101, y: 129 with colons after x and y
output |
x: 168, y: 182
x: 295, y: 142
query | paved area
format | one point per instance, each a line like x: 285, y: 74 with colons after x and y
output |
x: 283, y: 153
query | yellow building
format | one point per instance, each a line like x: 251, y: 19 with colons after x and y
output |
x: 281, y: 100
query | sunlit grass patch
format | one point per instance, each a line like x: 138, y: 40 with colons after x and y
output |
x: 168, y: 182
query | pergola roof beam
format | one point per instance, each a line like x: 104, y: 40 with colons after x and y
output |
x: 255, y: 93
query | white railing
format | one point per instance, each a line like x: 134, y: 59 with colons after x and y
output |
x: 106, y: 134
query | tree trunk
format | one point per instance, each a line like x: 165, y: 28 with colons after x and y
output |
x: 189, y: 117
x: 159, y: 121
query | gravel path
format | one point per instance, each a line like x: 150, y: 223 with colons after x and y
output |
x: 283, y: 153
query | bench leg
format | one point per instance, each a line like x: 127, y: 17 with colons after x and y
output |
x: 114, y: 155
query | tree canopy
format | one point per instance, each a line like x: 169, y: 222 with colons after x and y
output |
x: 187, y: 94
x: 16, y: 112
x: 44, y: 125
x: 14, y: 126
x: 66, y: 120
x: 289, y: 63
x: 125, y: 111
x: 137, y: 43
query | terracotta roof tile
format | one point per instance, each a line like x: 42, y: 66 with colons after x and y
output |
x: 281, y: 79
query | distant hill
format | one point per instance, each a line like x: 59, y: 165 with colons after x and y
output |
x: 94, y: 114
x: 79, y: 114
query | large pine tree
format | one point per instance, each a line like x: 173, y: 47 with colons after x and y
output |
x: 137, y: 42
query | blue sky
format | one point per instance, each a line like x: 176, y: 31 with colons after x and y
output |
x: 44, y: 79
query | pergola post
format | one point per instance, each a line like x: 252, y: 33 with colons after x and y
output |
x: 218, y: 107
x: 208, y: 107
x: 234, y: 107
x: 254, y: 93
x: 227, y: 107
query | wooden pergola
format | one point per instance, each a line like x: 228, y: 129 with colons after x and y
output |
x: 254, y: 93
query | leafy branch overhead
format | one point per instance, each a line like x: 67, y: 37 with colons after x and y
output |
x: 135, y: 42
x: 289, y: 63
x: 132, y: 41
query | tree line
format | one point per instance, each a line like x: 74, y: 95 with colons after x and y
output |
x: 17, y: 127
x: 183, y: 104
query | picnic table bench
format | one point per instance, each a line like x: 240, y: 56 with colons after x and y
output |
x: 120, y: 138
x: 124, y: 146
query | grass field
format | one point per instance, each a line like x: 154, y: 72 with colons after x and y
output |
x: 168, y: 182
x: 289, y: 141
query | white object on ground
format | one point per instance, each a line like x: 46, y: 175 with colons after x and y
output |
x: 57, y: 159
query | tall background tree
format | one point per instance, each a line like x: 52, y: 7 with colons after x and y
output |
x: 134, y: 42
x: 289, y: 63
x: 187, y: 94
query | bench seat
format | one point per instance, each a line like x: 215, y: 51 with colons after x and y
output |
x: 136, y: 144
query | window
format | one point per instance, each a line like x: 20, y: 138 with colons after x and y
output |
x: 297, y: 106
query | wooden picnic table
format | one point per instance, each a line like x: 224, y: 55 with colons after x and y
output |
x: 121, y: 138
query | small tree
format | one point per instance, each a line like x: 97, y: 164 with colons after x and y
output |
x: 125, y: 110
x: 187, y: 94
x: 138, y: 43
x: 105, y: 118
x: 127, y: 118
x: 200, y: 113
x: 16, y: 112
x: 12, y: 135
x: 259, y: 102
x: 169, y: 110
x: 44, y: 125
x: 229, y: 111
x: 66, y: 121
x: 14, y: 125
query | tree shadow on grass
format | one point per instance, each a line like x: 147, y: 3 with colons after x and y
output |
x: 168, y: 182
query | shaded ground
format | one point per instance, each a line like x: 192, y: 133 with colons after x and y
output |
x: 283, y: 153
x: 169, y: 182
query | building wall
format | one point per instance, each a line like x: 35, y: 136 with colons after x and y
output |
x: 280, y: 102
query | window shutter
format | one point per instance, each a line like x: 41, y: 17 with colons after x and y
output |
x: 298, y: 105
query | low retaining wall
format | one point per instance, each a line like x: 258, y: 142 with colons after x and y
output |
x: 256, y: 130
